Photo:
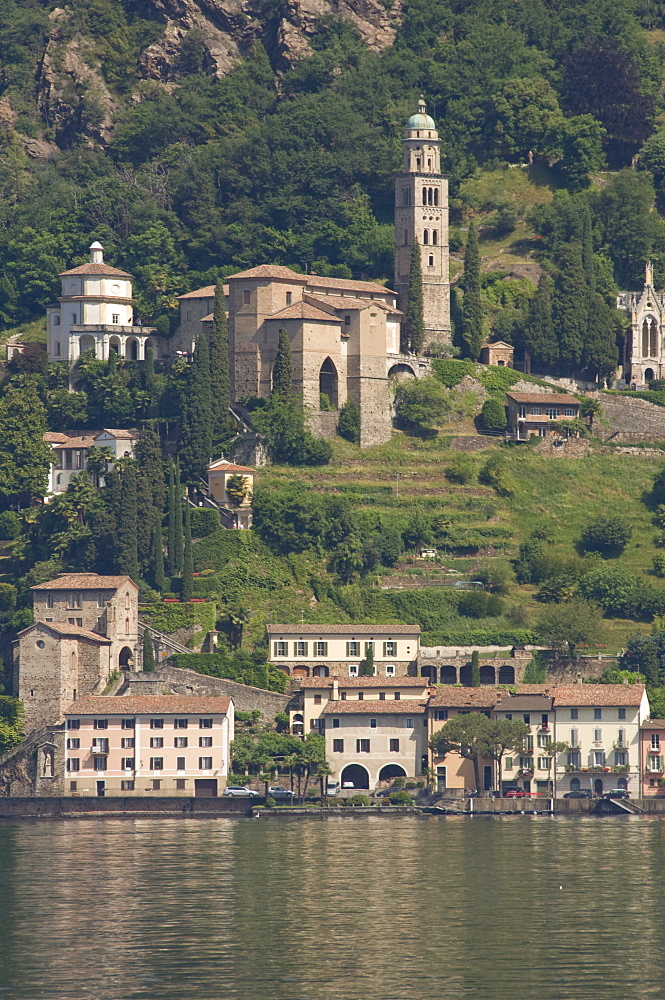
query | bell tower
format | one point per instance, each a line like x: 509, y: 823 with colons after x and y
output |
x: 421, y: 213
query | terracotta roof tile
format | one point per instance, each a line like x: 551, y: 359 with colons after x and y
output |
x: 347, y: 284
x: 84, y: 581
x: 65, y: 629
x: 545, y: 398
x: 406, y: 707
x: 122, y: 435
x: 525, y: 703
x: 90, y: 268
x: 149, y: 705
x: 652, y: 724
x: 463, y: 697
x: 54, y: 437
x: 303, y: 310
x: 207, y: 292
x: 364, y: 682
x: 84, y: 441
x: 274, y: 271
x: 349, y: 630
x: 598, y: 694
x: 221, y: 465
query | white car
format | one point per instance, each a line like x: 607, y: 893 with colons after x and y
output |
x: 241, y: 792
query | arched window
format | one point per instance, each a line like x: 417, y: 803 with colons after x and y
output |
x: 435, y: 237
x: 417, y: 163
x: 127, y: 603
x: 649, y: 337
x: 126, y: 626
x: 424, y: 196
x: 430, y: 196
x: 431, y: 260
x: 429, y: 163
x: 425, y: 236
x: 436, y: 196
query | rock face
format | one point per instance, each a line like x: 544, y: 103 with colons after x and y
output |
x: 227, y: 29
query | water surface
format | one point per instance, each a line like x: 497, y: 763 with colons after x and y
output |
x: 515, y: 908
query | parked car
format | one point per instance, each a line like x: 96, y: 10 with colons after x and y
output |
x: 332, y: 787
x: 241, y: 792
x: 580, y: 793
x: 616, y: 793
x: 279, y: 792
x: 514, y: 793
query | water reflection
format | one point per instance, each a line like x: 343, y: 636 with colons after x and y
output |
x: 371, y: 908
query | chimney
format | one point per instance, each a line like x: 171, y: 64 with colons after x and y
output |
x: 96, y: 253
x: 335, y: 689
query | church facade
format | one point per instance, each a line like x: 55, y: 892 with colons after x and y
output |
x: 644, y: 347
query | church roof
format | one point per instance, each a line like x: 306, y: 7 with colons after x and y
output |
x: 303, y: 310
x: 343, y: 302
x: 421, y: 119
x: 90, y: 268
x: 65, y: 629
x: 496, y: 343
x: 84, y: 581
x: 274, y: 271
x: 347, y: 284
x: 207, y: 292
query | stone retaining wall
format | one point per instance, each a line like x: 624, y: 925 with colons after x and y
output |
x: 176, y: 680
x: 629, y: 420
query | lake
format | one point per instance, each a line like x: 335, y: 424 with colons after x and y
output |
x: 513, y: 908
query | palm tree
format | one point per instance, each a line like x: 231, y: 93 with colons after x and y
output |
x: 97, y: 463
x: 323, y: 772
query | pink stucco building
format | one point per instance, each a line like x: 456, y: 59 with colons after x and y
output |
x: 652, y: 756
x: 135, y: 745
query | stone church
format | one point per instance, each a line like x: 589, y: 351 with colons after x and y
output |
x: 644, y: 348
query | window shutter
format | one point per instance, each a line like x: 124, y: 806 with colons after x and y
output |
x: 385, y: 649
x: 348, y: 649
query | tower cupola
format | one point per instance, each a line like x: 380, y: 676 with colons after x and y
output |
x: 96, y: 253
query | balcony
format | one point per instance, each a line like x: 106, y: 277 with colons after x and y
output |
x: 100, y: 747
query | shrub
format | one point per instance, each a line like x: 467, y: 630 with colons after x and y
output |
x: 659, y: 564
x: 359, y: 800
x: 399, y: 782
x: 348, y: 426
x: 270, y: 802
x: 450, y: 373
x: 493, y: 415
x: 7, y: 597
x: 495, y: 474
x: 607, y: 535
x: 324, y: 402
x: 205, y: 521
x: 10, y: 525
x: 461, y: 469
x: 478, y: 604
x: 422, y: 404
x: 400, y: 799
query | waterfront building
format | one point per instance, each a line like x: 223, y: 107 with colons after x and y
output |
x: 533, y: 764
x: 316, y: 692
x: 337, y: 650
x: 452, y: 771
x: 134, y: 745
x: 652, y: 751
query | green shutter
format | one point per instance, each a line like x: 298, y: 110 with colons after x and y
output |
x: 509, y: 763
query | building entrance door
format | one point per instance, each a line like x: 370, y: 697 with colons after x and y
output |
x: 101, y: 789
x: 205, y: 788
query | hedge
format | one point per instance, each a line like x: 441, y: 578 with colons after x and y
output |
x: 239, y: 667
x: 169, y: 618
x: 214, y: 551
x: 479, y: 637
x: 205, y: 521
x: 495, y: 378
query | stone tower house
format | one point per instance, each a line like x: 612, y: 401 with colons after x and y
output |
x: 421, y: 213
x: 644, y: 350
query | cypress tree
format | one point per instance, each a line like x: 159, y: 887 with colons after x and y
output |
x: 171, y: 519
x: 220, y: 378
x: 148, y: 453
x: 472, y: 309
x: 148, y: 652
x: 178, y: 555
x: 600, y: 356
x: 475, y: 669
x: 539, y: 336
x: 367, y: 664
x: 158, y: 557
x: 195, y: 443
x: 588, y: 262
x: 126, y: 548
x: 282, y: 373
x: 145, y: 522
x: 570, y: 306
x: 415, y: 324
x: 188, y: 564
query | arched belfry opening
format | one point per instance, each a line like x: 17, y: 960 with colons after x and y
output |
x: 328, y: 382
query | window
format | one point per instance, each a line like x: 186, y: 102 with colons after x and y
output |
x: 347, y: 321
x: 408, y: 723
x: 57, y: 348
x: 127, y: 743
x: 99, y: 763
x: 362, y: 746
x: 398, y: 695
x: 156, y: 742
x: 205, y: 741
x: 528, y: 742
x: 526, y: 763
x: 621, y: 738
x: 597, y: 713
x: 394, y: 746
x: 440, y: 714
x: 100, y: 724
x: 300, y: 648
x: 372, y: 723
x: 543, y: 739
x: 574, y: 713
x: 552, y: 412
x: 127, y: 763
x: 56, y: 321
x: 73, y: 723
x: 156, y: 723
x: 180, y: 784
x: 598, y: 736
x: 390, y: 670
x: 156, y: 763
x: 128, y: 723
x: 543, y: 763
x: 79, y: 622
x: 353, y: 669
x: 338, y: 746
x: 430, y: 261
x: 74, y: 743
x: 320, y: 648
x: 390, y: 648
x: 424, y: 189
x: 180, y: 742
x: 568, y: 411
x: 382, y: 695
x: 317, y: 699
x: 620, y: 758
x: 49, y: 601
x: 435, y: 236
x: 180, y: 764
x: 205, y: 763
x: 361, y: 695
x: 180, y: 723
x: 127, y: 786
x: 508, y: 764
x: 335, y: 723
x: 343, y: 695
x: 655, y: 741
x: 573, y: 759
x: 598, y: 758
x: 73, y: 764
x: 655, y: 762
x: 353, y: 648
x: 527, y: 719
x: 100, y: 745
x: 246, y: 297
x: 545, y: 721
x: 205, y: 723
x: 281, y: 648
x: 156, y: 784
x: 115, y: 318
x: 536, y: 411
x: 425, y: 236
x: 289, y: 297
x: 75, y: 601
x: 574, y: 737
